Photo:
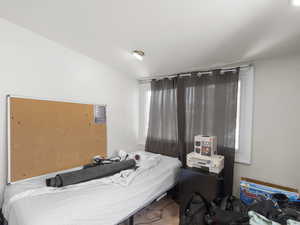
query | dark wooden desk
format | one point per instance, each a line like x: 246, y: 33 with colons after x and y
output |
x: 209, y: 185
x: 192, y: 180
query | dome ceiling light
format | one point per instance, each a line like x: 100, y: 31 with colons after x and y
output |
x: 139, y: 54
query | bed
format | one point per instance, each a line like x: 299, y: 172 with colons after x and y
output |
x: 90, y: 203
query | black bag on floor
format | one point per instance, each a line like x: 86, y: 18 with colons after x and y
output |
x: 194, y: 211
x: 1, y: 218
x: 227, y: 211
x: 223, y: 217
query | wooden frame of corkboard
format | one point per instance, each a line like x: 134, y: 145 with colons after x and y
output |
x: 46, y: 136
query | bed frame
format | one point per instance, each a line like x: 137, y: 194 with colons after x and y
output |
x: 130, y: 218
x: 19, y: 110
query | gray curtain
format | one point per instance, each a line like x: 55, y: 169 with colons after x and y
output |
x: 162, y: 134
x: 210, y: 107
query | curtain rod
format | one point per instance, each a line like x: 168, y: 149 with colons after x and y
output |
x: 224, y: 68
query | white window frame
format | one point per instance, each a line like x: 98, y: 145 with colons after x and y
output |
x: 244, y: 114
x: 144, y: 106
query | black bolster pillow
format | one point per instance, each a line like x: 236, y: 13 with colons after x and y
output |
x: 90, y: 173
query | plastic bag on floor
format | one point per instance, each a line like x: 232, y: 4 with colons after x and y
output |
x: 292, y: 222
x: 257, y: 219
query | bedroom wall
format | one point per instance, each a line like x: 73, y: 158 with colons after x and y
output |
x: 276, y: 125
x: 31, y: 65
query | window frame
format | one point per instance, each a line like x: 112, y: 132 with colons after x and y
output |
x: 245, y: 111
x: 144, y: 102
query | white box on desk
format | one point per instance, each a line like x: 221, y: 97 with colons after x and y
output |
x: 205, y: 145
x: 213, y: 164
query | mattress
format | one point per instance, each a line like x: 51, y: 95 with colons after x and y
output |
x: 90, y: 203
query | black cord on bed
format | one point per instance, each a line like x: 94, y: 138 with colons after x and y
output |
x: 161, y: 211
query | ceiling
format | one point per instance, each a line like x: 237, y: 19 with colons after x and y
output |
x: 176, y: 35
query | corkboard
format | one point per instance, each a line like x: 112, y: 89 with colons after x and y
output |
x: 50, y: 136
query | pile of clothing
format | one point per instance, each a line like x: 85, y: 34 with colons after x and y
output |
x: 232, y: 211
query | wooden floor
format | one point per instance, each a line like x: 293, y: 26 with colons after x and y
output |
x: 164, y: 212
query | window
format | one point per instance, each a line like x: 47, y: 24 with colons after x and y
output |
x: 244, y: 114
x: 144, y: 107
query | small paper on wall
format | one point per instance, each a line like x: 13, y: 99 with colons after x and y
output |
x: 99, y: 114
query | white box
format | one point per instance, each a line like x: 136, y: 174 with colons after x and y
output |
x: 205, y: 145
x: 213, y: 164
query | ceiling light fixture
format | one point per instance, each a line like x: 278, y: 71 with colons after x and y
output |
x: 295, y: 3
x: 139, y: 54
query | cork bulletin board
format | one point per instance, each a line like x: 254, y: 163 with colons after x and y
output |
x: 49, y: 136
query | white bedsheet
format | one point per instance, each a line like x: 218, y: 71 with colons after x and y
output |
x: 125, y: 177
x: 90, y: 203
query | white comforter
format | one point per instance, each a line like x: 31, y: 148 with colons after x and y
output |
x: 104, y: 201
x: 146, y: 162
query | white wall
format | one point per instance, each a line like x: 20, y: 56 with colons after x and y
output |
x: 31, y: 65
x: 276, y: 125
